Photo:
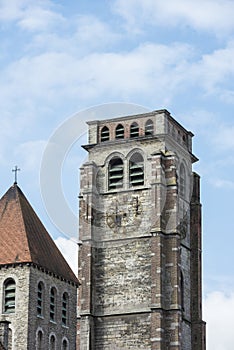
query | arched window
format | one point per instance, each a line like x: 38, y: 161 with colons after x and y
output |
x: 9, y: 295
x: 119, y: 132
x: 182, y: 290
x: 40, y: 298
x: 64, y: 309
x: 136, y: 170
x: 105, y: 134
x: 65, y: 344
x: 52, y: 303
x: 52, y: 344
x: 39, y: 341
x: 115, y: 173
x: 182, y: 180
x: 149, y: 128
x: 134, y: 130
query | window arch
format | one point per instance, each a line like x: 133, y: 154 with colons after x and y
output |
x: 52, y: 342
x: 65, y: 309
x: 134, y: 130
x: 119, y: 131
x: 40, y: 298
x: 9, y: 295
x: 39, y: 340
x: 136, y: 170
x: 53, y: 298
x: 182, y: 180
x: 105, y: 134
x: 115, y: 173
x: 65, y: 344
x: 149, y: 128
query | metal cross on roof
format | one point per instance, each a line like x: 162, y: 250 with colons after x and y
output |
x: 15, y: 171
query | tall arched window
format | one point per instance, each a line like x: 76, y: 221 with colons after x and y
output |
x: 52, y: 344
x: 136, y: 170
x: 52, y: 303
x: 119, y: 132
x: 105, y: 134
x: 40, y: 298
x: 9, y: 295
x: 115, y: 173
x: 182, y: 180
x: 39, y: 340
x: 134, y: 130
x: 65, y: 309
x: 149, y: 128
x: 182, y: 290
x: 65, y: 344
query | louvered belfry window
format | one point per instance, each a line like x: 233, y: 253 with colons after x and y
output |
x: 149, y: 128
x: 134, y: 130
x: 115, y: 173
x: 64, y: 309
x: 52, y: 303
x: 9, y: 295
x: 40, y: 292
x: 119, y: 132
x: 105, y: 134
x: 136, y: 170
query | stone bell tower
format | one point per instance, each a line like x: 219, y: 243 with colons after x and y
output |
x: 140, y: 237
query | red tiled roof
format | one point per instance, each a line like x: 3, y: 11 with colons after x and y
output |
x: 24, y: 239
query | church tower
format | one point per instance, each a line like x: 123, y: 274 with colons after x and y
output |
x: 140, y: 237
x: 38, y: 290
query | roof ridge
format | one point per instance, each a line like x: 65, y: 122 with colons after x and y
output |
x: 21, y: 212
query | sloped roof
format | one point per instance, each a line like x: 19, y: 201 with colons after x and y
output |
x: 24, y: 239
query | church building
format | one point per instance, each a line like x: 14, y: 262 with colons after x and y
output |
x: 140, y: 237
x: 38, y: 290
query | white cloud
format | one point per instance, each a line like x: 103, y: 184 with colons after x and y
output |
x: 69, y: 249
x: 29, y: 154
x: 222, y: 183
x: 216, y: 69
x: 219, y: 315
x: 30, y: 15
x: 209, y: 15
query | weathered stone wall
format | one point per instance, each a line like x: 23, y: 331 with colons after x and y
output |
x: 19, y: 324
x: 25, y: 322
x: 43, y: 322
x: 122, y: 277
x: 123, y: 332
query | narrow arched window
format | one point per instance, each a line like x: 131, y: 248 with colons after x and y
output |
x: 65, y: 344
x: 105, y: 134
x: 115, y: 173
x: 149, y: 128
x: 52, y: 344
x: 39, y: 341
x: 134, y: 130
x: 119, y: 132
x: 136, y: 170
x: 9, y: 295
x: 40, y: 298
x: 182, y: 290
x: 65, y: 309
x: 182, y: 180
x: 52, y: 303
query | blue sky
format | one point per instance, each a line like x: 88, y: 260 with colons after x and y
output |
x: 58, y: 58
